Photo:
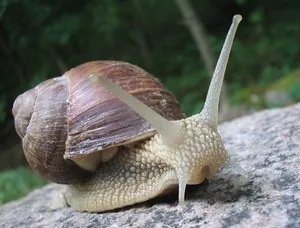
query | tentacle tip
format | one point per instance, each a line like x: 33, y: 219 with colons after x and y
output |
x: 181, y: 204
x: 181, y: 201
x: 182, y: 182
x: 237, y: 18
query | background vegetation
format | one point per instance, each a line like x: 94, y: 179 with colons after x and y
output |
x: 43, y: 39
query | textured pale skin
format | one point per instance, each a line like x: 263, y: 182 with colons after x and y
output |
x: 149, y: 168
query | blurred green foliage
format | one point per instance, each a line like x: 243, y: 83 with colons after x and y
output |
x: 43, y: 39
x: 288, y: 81
x: 281, y: 92
x: 17, y: 183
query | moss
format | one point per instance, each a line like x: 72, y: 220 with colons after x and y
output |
x: 17, y: 183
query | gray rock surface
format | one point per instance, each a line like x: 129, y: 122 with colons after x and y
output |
x: 265, y: 144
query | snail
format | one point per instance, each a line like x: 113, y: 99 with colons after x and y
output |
x: 116, y: 137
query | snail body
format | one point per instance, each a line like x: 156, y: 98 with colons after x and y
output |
x: 124, y: 143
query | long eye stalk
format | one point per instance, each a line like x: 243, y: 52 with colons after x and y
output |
x: 211, y: 106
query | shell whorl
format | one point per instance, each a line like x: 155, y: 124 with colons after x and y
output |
x: 41, y: 121
x: 22, y: 110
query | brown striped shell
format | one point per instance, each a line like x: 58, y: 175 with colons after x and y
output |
x: 69, y: 117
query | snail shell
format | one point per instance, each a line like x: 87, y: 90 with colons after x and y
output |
x: 66, y: 121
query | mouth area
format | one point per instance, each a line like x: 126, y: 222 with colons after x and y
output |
x: 205, y: 173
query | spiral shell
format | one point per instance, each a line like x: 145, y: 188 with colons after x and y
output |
x: 69, y: 117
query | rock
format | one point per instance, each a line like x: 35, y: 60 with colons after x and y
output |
x: 265, y: 144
